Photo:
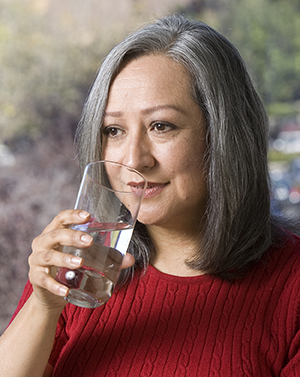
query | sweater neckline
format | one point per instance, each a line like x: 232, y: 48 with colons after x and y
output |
x: 159, y: 275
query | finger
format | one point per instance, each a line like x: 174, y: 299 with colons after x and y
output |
x: 42, y: 280
x: 44, y: 252
x: 128, y: 261
x: 68, y: 217
x: 54, y: 258
x: 61, y: 237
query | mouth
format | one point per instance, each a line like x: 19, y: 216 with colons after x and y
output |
x: 153, y: 188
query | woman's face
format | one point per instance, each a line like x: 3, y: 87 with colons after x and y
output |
x: 153, y: 125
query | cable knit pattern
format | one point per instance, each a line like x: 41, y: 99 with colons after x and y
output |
x: 163, y: 325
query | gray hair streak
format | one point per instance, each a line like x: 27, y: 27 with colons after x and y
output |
x: 237, y: 228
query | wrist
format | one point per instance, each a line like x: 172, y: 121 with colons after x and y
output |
x: 50, y: 310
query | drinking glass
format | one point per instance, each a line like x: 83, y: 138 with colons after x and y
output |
x: 112, y: 193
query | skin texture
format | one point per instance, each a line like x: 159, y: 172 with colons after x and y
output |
x: 153, y: 124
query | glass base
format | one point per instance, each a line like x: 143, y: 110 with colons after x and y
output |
x: 81, y: 298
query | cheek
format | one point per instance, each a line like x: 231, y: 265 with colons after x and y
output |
x: 191, y: 180
x: 189, y: 174
x: 110, y: 154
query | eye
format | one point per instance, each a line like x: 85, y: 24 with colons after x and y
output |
x: 111, y: 131
x: 162, y: 126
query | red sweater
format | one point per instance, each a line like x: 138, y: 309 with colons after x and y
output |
x: 163, y: 325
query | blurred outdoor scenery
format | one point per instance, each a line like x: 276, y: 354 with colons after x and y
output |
x: 50, y: 51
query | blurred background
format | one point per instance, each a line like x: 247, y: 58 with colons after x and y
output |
x: 50, y: 51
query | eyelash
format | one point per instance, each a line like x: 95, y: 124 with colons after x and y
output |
x: 164, y: 124
x: 107, y: 131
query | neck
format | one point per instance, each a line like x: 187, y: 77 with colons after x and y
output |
x: 172, y: 250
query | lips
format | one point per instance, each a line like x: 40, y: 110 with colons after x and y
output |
x: 153, y: 188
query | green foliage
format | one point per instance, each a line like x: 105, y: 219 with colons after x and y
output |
x: 268, y: 34
x: 33, y: 79
x: 276, y: 156
x: 50, y: 52
x: 47, y: 66
x: 281, y: 110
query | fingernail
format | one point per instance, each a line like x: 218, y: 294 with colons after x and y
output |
x: 83, y: 214
x: 76, y: 261
x: 63, y: 291
x: 85, y: 238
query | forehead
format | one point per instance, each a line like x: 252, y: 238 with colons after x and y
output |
x: 154, y: 75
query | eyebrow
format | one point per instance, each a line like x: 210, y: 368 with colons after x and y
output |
x: 150, y: 110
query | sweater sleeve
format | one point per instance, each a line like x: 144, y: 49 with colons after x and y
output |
x: 60, y: 337
x: 292, y: 367
x: 25, y: 296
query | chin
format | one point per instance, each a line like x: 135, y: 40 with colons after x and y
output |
x: 149, y: 218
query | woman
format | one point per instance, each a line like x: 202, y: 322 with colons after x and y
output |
x: 214, y: 286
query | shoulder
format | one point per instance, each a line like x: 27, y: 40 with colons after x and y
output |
x: 284, y: 250
x: 288, y: 256
x: 287, y: 251
x: 281, y: 269
x: 278, y: 272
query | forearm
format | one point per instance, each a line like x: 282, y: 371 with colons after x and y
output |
x: 26, y: 345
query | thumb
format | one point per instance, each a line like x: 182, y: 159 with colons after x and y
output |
x: 128, y: 261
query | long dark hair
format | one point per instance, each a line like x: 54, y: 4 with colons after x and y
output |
x: 238, y: 226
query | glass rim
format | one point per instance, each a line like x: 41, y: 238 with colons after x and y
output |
x: 85, y: 173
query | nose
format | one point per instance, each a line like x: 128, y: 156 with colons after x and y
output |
x: 138, y: 152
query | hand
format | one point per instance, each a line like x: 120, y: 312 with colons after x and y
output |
x: 47, y: 253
